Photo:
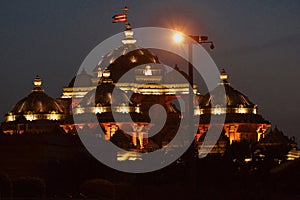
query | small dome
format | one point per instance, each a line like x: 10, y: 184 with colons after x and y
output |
x: 102, y: 95
x: 233, y: 98
x: 37, y: 101
x: 238, y: 108
x: 82, y: 80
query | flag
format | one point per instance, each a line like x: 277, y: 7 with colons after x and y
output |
x: 120, y: 18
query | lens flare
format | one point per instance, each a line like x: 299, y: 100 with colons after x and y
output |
x: 178, y: 37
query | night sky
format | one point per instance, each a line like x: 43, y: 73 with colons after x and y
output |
x: 257, y: 42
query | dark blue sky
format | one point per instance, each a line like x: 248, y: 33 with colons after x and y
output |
x: 257, y: 42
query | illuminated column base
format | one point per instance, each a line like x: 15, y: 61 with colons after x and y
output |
x: 110, y: 130
x: 139, y: 135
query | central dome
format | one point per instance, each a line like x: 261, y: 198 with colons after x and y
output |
x: 130, y: 56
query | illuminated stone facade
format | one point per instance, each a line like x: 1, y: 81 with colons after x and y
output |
x: 147, y: 82
x: 35, y: 113
x: 242, y: 122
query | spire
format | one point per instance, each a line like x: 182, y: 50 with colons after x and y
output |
x: 128, y: 31
x: 128, y: 35
x: 37, y: 84
x: 106, y: 73
x: 37, y: 81
x: 125, y: 9
x: 105, y: 77
x: 223, y: 77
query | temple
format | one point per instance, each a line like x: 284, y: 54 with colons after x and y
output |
x: 106, y: 91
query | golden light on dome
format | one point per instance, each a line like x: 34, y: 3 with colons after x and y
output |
x: 254, y: 110
x: 147, y: 71
x: 223, y: 75
x: 29, y: 116
x: 141, y: 52
x: 98, y: 109
x: 106, y: 74
x: 178, y: 37
x: 133, y: 59
x: 37, y: 81
x: 79, y: 110
x: 99, y: 72
x: 137, y: 109
x: 10, y: 117
x: 242, y: 110
x: 197, y: 111
x: 53, y: 116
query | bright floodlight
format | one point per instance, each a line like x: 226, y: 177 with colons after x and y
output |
x: 178, y: 37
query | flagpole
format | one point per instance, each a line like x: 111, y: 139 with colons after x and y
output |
x: 127, y: 25
x: 125, y: 9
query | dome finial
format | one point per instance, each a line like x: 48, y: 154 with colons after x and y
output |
x: 128, y: 35
x: 223, y: 77
x: 105, y: 77
x: 106, y: 73
x: 37, y: 81
x: 37, y: 84
x: 128, y: 31
x: 125, y: 9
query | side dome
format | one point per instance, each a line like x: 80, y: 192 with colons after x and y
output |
x: 241, y: 117
x: 102, y: 96
x: 106, y: 98
x: 236, y: 102
x: 233, y: 98
x: 37, y: 102
x: 37, y: 105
